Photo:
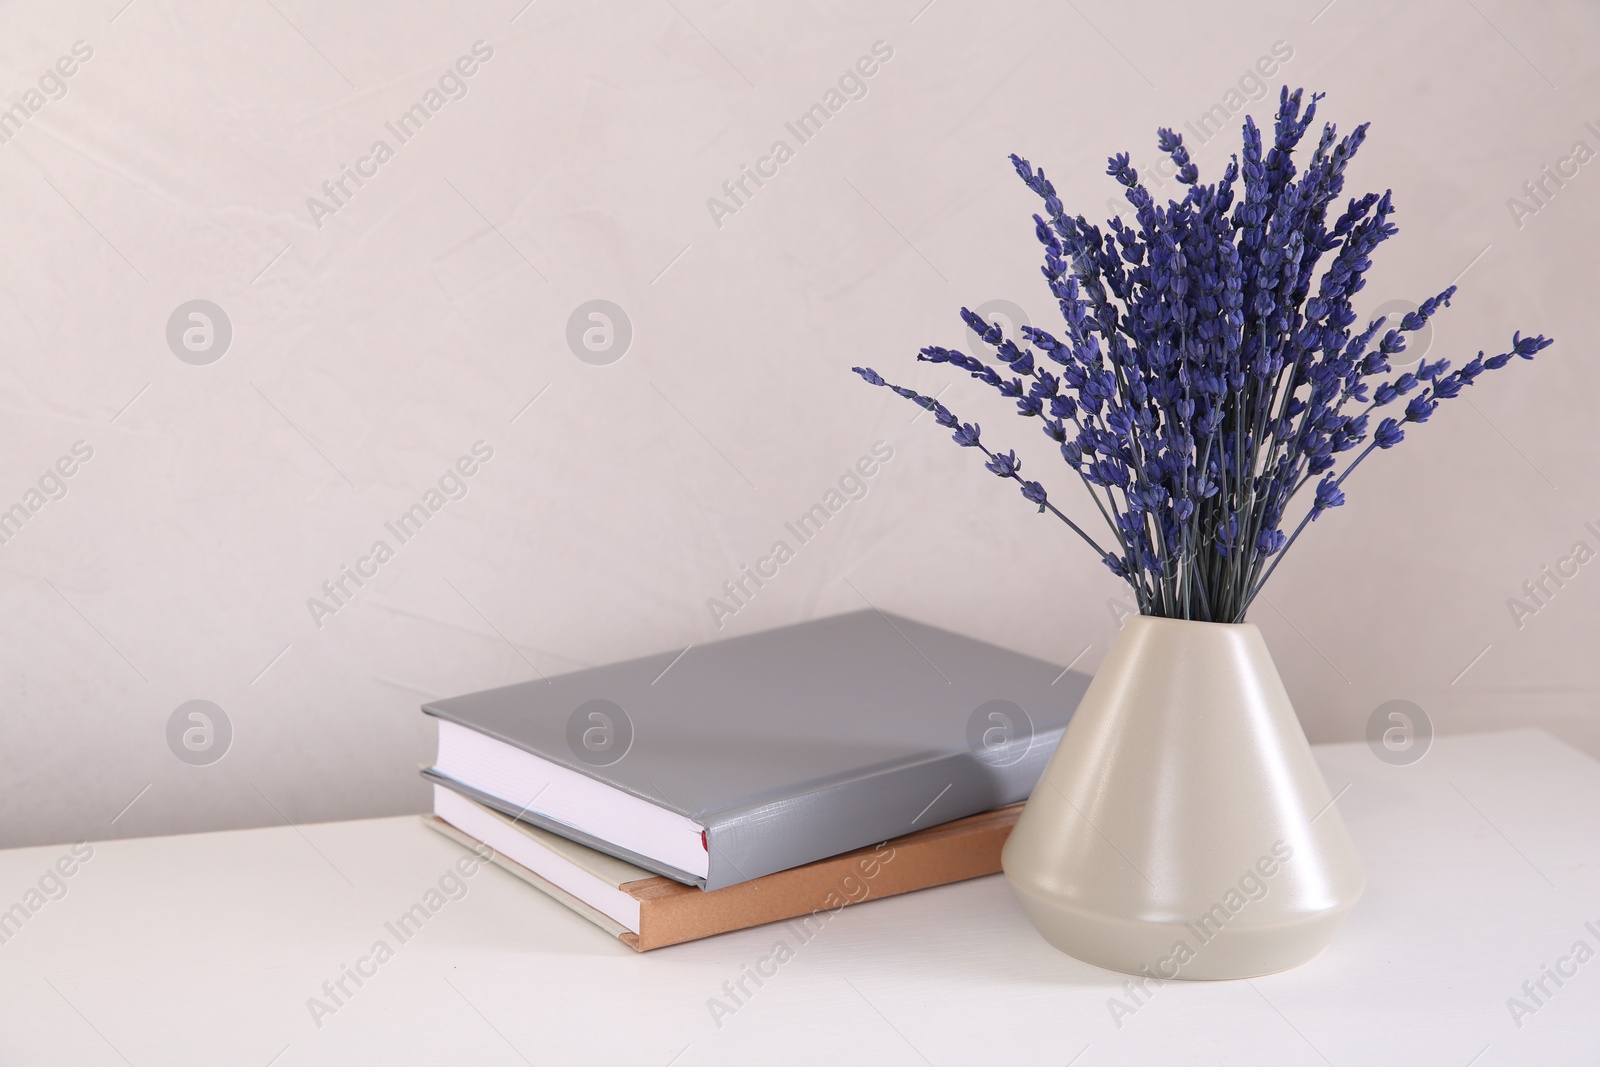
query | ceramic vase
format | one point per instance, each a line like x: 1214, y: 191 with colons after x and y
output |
x: 1182, y: 829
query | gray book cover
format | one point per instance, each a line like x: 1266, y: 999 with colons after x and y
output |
x: 793, y: 744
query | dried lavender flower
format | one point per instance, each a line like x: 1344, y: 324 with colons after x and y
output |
x: 1207, y: 373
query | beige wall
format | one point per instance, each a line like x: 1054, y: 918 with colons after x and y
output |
x: 371, y: 351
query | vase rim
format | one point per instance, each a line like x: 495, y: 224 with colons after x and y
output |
x: 1192, y: 622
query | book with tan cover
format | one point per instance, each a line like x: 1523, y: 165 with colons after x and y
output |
x: 646, y: 911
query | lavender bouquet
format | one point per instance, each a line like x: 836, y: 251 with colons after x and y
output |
x: 1199, y: 384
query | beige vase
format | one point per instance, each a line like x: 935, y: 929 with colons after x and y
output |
x: 1182, y: 828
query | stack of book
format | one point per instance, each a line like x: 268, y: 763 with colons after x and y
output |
x: 752, y: 780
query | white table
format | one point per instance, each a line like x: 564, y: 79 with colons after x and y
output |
x: 1483, y: 864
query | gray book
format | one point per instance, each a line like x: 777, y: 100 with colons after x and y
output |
x: 744, y: 757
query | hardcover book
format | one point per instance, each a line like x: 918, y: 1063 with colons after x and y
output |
x: 645, y: 911
x: 730, y: 761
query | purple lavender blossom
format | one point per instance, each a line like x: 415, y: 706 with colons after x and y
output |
x: 1207, y: 371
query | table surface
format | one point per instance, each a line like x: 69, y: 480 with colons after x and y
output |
x: 1483, y: 865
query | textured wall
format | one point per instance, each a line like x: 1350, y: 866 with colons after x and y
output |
x: 404, y: 323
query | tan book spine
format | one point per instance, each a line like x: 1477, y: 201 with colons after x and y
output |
x: 671, y: 913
